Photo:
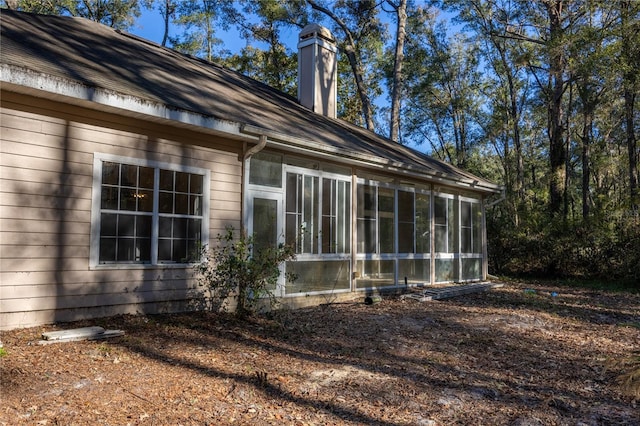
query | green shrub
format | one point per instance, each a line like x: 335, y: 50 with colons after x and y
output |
x: 586, y: 250
x: 237, y: 268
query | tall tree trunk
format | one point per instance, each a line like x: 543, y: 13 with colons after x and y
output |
x: 401, y: 11
x: 514, y: 118
x: 629, y: 101
x: 167, y: 12
x: 210, y: 31
x: 630, y: 82
x: 557, y: 150
x: 515, y: 125
x: 567, y: 154
x: 587, y: 131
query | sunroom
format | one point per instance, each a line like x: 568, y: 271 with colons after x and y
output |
x: 357, y: 230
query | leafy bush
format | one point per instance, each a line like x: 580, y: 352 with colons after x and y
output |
x: 607, y: 251
x: 236, y: 267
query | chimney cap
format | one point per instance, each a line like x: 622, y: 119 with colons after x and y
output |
x: 317, y: 30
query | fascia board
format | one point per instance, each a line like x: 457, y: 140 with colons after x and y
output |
x: 26, y: 81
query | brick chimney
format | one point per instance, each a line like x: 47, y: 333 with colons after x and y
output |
x: 318, y: 70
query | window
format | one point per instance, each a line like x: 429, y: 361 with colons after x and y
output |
x: 318, y: 225
x: 470, y: 240
x: 386, y: 220
x: 470, y: 227
x: 302, y: 200
x: 379, y: 217
x: 406, y: 226
x: 444, y: 225
x: 376, y: 219
x: 423, y: 223
x: 336, y: 215
x: 147, y: 213
x: 266, y: 169
x: 180, y: 215
x: 367, y: 218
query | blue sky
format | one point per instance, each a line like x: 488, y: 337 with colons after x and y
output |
x: 150, y: 26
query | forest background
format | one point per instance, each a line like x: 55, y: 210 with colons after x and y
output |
x: 540, y: 96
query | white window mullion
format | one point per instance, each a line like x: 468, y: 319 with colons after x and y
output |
x: 376, y: 228
x: 320, y: 232
x: 457, y: 210
x: 155, y: 220
x: 395, y: 221
x: 415, y: 223
x: 395, y: 236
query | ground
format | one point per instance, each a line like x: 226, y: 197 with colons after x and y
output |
x: 518, y: 355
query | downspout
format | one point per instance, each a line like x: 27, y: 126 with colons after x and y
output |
x: 262, y: 142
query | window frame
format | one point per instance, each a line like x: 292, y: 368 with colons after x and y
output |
x: 315, y: 170
x: 96, y: 210
x: 478, y: 254
x: 318, y: 253
x: 414, y: 254
x: 396, y: 256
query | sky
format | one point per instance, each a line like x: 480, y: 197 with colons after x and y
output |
x: 150, y: 26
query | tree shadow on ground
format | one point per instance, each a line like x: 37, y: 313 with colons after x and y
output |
x: 442, y: 356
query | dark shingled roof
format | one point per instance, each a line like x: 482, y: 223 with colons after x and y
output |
x: 97, y: 56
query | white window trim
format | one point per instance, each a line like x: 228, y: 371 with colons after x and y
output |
x: 396, y: 188
x: 94, y: 250
x: 320, y: 174
x: 479, y: 203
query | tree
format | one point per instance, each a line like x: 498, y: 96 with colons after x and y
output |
x: 629, y: 34
x: 590, y: 61
x: 274, y: 65
x: 167, y: 9
x: 198, y: 19
x: 119, y: 14
x: 442, y: 86
x: 507, y: 90
x: 554, y: 90
x: 48, y: 7
x: 362, y: 36
x: 400, y: 9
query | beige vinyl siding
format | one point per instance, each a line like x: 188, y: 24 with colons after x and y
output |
x: 46, y: 177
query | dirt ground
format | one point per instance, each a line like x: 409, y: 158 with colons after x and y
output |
x: 517, y: 355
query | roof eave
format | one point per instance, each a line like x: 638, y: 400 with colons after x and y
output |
x: 277, y: 139
x: 30, y: 82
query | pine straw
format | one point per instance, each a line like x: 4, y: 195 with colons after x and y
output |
x: 629, y: 380
x: 507, y: 356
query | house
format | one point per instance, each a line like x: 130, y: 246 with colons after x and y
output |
x: 119, y: 157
